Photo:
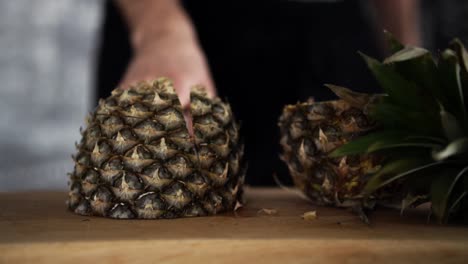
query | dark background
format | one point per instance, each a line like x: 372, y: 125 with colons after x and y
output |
x: 264, y: 55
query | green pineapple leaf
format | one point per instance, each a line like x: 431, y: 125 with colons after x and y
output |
x: 407, y: 53
x: 428, y: 138
x: 382, y: 145
x: 417, y: 66
x: 457, y: 201
x: 422, y: 127
x: 463, y: 193
x: 411, y: 200
x: 451, y: 126
x: 397, y: 117
x: 393, y: 43
x: 449, y: 74
x: 353, y: 98
x: 440, y: 194
x: 455, y: 148
x: 462, y: 54
x: 399, y: 90
x: 362, y: 144
x: 395, y: 170
x: 460, y: 198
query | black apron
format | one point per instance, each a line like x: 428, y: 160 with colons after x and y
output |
x: 262, y: 56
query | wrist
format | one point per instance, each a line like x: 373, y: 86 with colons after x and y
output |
x: 154, y: 21
x: 160, y: 36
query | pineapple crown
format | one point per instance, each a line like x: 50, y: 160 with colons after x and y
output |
x: 422, y: 126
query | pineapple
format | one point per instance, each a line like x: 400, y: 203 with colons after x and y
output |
x: 414, y: 148
x: 137, y: 158
x: 312, y: 130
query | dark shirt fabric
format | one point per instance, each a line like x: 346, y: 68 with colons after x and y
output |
x: 262, y: 56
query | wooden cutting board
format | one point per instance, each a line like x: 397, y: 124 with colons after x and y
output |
x: 36, y: 227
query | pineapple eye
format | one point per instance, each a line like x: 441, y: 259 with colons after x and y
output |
x: 139, y: 107
x: 83, y: 159
x: 324, y: 173
x: 232, y: 130
x: 94, y: 131
x: 181, y: 134
x: 104, y: 147
x: 91, y: 176
x: 75, y: 188
x: 113, y: 164
x: 163, y: 96
x: 218, y: 168
x: 113, y: 120
x: 126, y: 134
x: 197, y: 179
x: 162, y: 172
x: 321, y: 109
x: 296, y: 165
x: 177, y: 196
x: 199, y: 107
x: 130, y: 179
x: 140, y: 151
x: 149, y: 200
x: 362, y: 121
x: 111, y: 102
x: 180, y: 161
x: 329, y: 130
x: 171, y: 118
x: 219, y: 140
x: 206, y: 120
x: 218, y: 109
x: 148, y: 97
x: 83, y: 208
x: 298, y: 118
x: 216, y: 199
x: 144, y: 153
x: 103, y: 194
x: 150, y: 125
x: 133, y: 92
x: 297, y: 129
x: 198, y: 134
x: 205, y: 151
x: 121, y: 211
x: 356, y: 114
x: 309, y: 147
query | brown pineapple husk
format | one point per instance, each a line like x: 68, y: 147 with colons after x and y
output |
x: 310, y: 131
x: 137, y: 158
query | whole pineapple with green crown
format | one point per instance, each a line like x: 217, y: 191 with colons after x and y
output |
x: 423, y: 128
x: 137, y: 158
x: 410, y: 143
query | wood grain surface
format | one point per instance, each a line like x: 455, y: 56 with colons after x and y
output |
x: 35, y: 227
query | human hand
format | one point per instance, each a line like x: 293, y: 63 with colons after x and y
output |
x: 180, y: 60
x: 164, y: 45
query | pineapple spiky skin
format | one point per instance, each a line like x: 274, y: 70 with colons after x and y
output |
x: 137, y: 158
x: 312, y: 130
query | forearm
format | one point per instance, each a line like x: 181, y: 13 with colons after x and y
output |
x: 401, y: 18
x: 151, y: 20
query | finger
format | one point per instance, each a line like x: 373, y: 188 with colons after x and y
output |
x: 182, y: 88
x: 210, y: 88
